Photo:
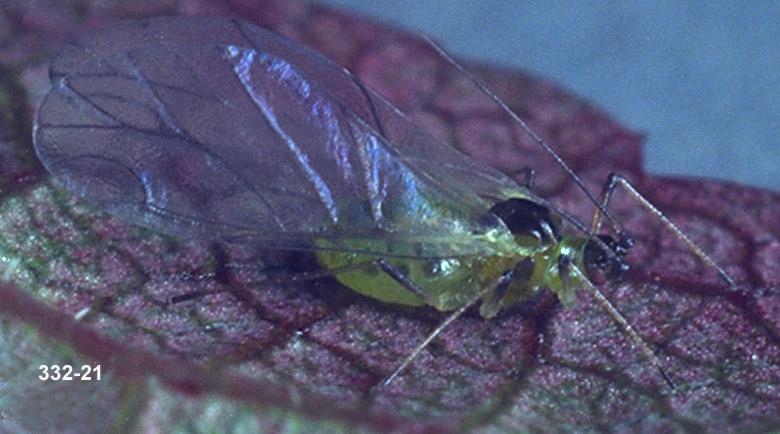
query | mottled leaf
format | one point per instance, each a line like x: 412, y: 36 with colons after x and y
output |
x: 258, y: 354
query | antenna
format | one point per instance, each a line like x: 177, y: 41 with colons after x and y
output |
x: 536, y: 138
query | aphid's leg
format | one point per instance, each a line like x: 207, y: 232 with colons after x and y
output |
x: 504, y: 279
x: 402, y: 280
x: 565, y: 265
x: 521, y: 275
x: 101, y: 302
x: 613, y: 180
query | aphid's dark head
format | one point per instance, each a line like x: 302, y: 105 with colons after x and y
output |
x: 611, y: 262
x: 525, y: 217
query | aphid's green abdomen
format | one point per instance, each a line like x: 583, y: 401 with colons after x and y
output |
x: 447, y: 283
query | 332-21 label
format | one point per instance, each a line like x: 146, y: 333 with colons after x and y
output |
x: 68, y: 373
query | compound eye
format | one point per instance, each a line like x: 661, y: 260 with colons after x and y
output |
x: 525, y: 217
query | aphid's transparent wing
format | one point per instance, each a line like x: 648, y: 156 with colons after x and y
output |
x: 216, y: 128
x: 436, y: 157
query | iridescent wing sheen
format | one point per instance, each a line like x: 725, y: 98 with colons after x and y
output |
x: 219, y: 129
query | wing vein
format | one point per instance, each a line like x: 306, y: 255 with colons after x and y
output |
x: 242, y: 69
x: 172, y: 124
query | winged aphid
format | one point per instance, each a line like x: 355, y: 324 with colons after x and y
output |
x: 218, y: 129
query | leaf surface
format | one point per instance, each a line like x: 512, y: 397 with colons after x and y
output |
x: 311, y: 351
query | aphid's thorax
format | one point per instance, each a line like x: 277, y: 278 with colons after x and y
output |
x: 553, y: 256
x: 549, y: 272
x: 538, y: 260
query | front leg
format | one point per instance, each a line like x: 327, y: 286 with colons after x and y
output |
x: 614, y: 180
x: 565, y: 267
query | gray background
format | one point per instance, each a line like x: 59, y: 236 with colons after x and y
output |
x: 701, y: 80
